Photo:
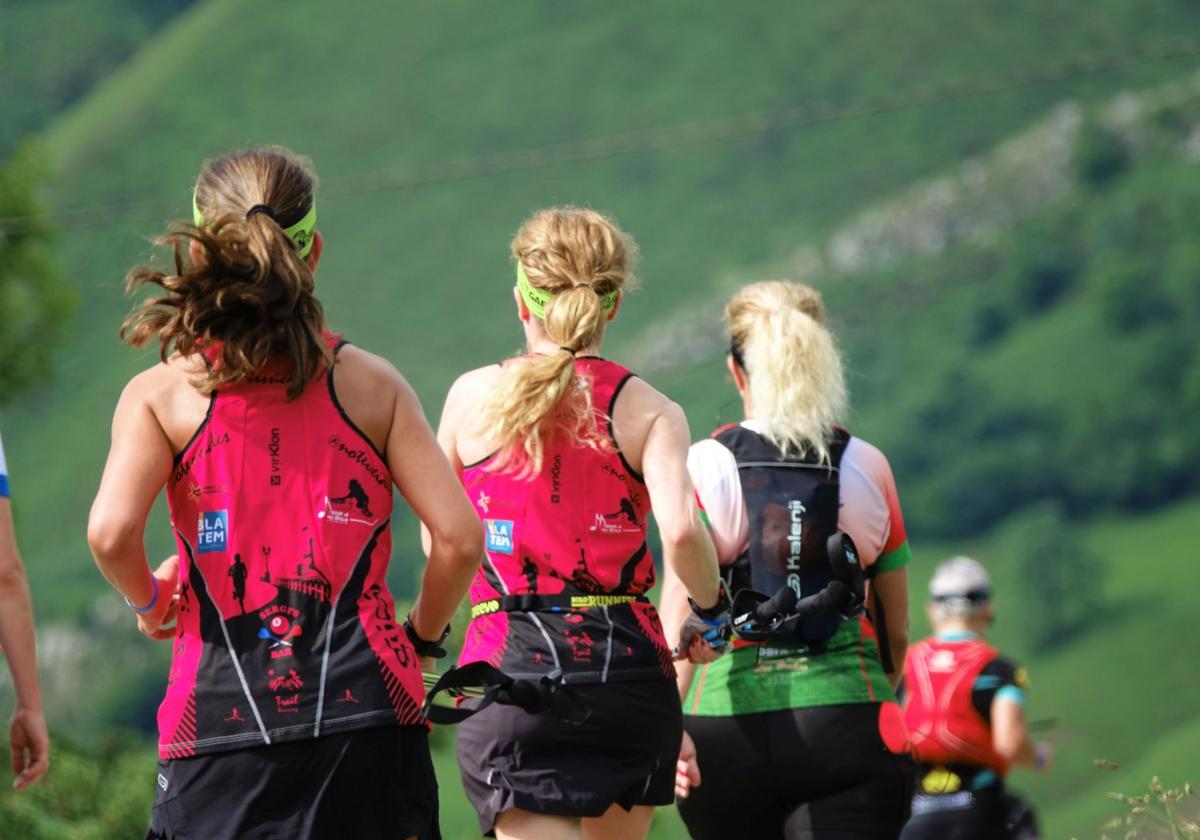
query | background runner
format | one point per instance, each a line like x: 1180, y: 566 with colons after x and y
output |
x: 964, y: 705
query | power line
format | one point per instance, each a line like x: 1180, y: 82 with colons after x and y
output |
x: 760, y: 122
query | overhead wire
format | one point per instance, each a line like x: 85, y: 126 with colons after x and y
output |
x: 667, y: 137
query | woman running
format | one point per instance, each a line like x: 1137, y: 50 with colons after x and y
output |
x: 563, y: 454
x: 964, y: 705
x: 292, y: 707
x: 27, y: 735
x: 783, y: 736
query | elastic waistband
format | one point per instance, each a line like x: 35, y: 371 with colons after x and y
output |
x: 551, y: 603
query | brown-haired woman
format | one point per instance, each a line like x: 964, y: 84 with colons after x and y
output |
x: 292, y: 705
x: 563, y: 454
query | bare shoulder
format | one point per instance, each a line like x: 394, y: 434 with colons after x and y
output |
x: 159, y: 384
x: 641, y: 410
x: 366, y: 369
x: 472, y: 387
x: 641, y: 399
x: 168, y: 391
x: 476, y: 381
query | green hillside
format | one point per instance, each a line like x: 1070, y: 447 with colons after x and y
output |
x: 421, y: 88
x: 734, y: 143
x: 48, y: 60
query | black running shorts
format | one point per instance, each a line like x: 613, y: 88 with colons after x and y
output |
x: 368, y: 783
x: 624, y: 753
x: 821, y: 773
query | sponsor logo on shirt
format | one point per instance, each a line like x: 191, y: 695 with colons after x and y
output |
x: 622, y: 521
x: 185, y: 468
x: 276, y: 462
x: 796, y: 511
x: 363, y: 457
x: 212, y: 531
x: 499, y: 535
x: 942, y: 662
x: 556, y: 480
x: 353, y: 506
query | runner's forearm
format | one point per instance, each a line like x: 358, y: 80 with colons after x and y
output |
x: 672, y: 610
x: 17, y: 636
x: 120, y: 554
x: 446, y: 581
x: 689, y: 553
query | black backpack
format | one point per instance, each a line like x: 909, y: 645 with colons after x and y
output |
x: 792, y: 504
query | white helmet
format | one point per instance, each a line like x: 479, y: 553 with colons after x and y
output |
x: 960, y: 586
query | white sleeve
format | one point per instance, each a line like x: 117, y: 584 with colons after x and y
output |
x: 719, y: 492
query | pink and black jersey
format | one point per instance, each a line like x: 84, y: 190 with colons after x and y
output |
x: 281, y: 511
x: 562, y: 587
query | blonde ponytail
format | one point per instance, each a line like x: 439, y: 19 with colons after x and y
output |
x: 796, y: 384
x: 579, y: 257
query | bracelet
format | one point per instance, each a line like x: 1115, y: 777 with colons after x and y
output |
x: 153, y: 598
x: 717, y: 612
x: 424, y: 647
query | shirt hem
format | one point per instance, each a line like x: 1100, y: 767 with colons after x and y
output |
x: 298, y: 732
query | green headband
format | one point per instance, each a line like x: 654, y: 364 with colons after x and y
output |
x: 538, y: 299
x: 301, y: 233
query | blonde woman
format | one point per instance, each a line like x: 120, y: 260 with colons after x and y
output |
x: 563, y: 453
x: 783, y: 735
x: 292, y: 708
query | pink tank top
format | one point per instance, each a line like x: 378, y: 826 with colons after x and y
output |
x: 562, y: 587
x: 287, y: 630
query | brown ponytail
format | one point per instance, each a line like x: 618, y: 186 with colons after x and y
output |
x: 248, y: 291
x: 579, y: 256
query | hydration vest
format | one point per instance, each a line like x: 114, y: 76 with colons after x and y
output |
x: 792, y: 507
x: 943, y: 724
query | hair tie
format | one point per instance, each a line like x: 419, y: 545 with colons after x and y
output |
x: 262, y: 208
x: 569, y: 350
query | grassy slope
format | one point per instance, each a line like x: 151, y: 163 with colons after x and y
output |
x: 49, y: 61
x: 418, y: 87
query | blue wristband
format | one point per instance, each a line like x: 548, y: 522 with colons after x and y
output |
x: 153, y: 598
x: 1039, y: 756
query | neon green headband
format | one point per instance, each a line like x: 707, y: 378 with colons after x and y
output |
x: 301, y: 233
x: 538, y: 299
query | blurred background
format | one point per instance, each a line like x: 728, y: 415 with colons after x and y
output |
x: 1000, y: 200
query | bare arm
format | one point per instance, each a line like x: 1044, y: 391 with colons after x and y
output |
x: 687, y: 549
x: 673, y: 610
x: 27, y: 731
x: 450, y: 531
x: 892, y: 589
x: 139, y: 463
x: 1010, y: 735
